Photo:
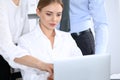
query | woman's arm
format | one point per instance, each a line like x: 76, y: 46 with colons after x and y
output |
x: 35, y: 63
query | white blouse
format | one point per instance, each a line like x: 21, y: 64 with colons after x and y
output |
x: 13, y: 24
x: 39, y: 46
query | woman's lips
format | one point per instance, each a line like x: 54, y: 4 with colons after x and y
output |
x: 53, y: 24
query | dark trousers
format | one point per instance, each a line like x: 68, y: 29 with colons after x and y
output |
x: 4, y: 69
x: 85, y: 41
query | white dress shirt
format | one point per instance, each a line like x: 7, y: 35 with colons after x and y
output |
x: 13, y: 24
x: 39, y: 46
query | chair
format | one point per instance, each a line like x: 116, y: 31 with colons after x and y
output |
x: 15, y: 74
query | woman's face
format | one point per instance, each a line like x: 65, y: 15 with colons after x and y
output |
x: 50, y: 16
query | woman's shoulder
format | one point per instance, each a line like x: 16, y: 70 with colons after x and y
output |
x: 28, y: 35
x: 64, y: 34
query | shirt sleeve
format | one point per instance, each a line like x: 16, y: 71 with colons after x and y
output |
x: 26, y: 25
x: 7, y: 47
x: 98, y: 14
x: 22, y: 45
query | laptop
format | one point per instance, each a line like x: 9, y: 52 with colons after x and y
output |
x: 92, y: 67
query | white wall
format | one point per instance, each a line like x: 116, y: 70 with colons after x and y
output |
x: 113, y: 14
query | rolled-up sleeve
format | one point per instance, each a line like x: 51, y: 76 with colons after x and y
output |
x: 8, y: 48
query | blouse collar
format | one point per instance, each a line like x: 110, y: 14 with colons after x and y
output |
x: 40, y: 32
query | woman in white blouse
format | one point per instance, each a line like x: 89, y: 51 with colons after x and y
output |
x: 45, y: 42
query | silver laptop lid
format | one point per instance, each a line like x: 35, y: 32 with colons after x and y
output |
x: 92, y: 67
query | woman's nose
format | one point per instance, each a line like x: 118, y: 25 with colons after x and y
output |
x: 54, y: 18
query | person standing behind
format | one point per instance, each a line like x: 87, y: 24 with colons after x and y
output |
x: 12, y: 21
x: 13, y: 24
x: 83, y: 15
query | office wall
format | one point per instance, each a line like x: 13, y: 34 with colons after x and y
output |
x: 113, y: 14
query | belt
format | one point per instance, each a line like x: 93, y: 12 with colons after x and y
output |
x: 82, y: 32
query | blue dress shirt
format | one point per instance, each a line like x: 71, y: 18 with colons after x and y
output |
x: 86, y: 14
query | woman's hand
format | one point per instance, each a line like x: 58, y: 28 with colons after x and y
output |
x: 51, y: 77
x: 47, y: 67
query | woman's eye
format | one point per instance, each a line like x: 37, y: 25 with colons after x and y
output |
x: 59, y: 14
x: 48, y: 14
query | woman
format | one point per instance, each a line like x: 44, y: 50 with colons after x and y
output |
x: 45, y: 42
